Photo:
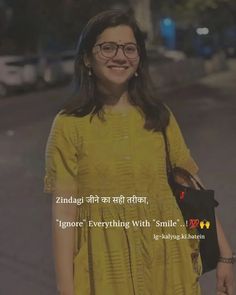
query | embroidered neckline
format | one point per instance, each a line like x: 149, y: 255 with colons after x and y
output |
x: 120, y: 112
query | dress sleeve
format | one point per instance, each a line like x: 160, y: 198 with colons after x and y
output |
x: 61, y: 165
x: 179, y: 153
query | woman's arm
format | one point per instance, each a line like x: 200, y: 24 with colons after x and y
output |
x: 63, y: 245
x: 225, y: 249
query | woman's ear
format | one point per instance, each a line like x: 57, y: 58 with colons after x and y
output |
x: 87, y: 60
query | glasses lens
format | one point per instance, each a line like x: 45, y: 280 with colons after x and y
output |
x: 131, y: 50
x: 108, y: 49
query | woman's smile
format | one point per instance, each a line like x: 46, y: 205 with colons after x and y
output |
x: 118, y: 69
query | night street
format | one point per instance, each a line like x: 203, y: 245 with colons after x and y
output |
x: 206, y: 112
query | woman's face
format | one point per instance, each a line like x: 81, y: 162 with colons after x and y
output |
x: 112, y: 65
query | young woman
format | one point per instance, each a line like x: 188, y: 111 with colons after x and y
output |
x: 107, y: 143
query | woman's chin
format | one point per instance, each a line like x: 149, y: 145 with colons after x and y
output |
x: 117, y: 81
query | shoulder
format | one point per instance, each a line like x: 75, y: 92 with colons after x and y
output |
x: 67, y: 123
x: 172, y: 119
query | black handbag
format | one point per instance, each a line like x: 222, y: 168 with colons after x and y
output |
x: 198, y: 209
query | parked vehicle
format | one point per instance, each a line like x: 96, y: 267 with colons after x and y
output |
x: 30, y: 71
x: 35, y: 72
x: 50, y: 70
x: 174, y: 55
x: 67, y: 63
x: 17, y: 73
x: 10, y: 74
x: 163, y: 55
x: 57, y: 68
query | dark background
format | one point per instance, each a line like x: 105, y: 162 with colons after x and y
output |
x: 201, y: 93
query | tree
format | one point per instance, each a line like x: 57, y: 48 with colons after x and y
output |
x: 23, y: 28
x: 50, y: 24
x: 219, y: 13
x: 63, y: 20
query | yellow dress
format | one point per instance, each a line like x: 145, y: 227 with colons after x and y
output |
x: 118, y: 157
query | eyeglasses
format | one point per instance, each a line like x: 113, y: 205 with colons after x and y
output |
x: 110, y: 49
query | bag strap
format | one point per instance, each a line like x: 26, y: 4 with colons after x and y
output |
x: 168, y: 162
x: 177, y: 170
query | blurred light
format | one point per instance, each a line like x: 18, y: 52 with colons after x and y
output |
x: 167, y: 21
x: 10, y: 132
x: 168, y: 32
x: 202, y: 31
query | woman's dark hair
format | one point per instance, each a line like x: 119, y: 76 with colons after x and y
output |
x: 88, y: 100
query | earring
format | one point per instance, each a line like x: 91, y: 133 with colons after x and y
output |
x: 89, y: 70
x: 136, y: 74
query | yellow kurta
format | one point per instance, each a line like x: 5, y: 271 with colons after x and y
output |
x: 120, y: 157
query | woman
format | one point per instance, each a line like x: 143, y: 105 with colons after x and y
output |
x: 106, y: 143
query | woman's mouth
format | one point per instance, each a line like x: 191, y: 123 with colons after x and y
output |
x: 118, y: 68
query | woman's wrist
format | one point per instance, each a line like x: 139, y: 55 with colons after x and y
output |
x: 225, y: 249
x: 231, y: 259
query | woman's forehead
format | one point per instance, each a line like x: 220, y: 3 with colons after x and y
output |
x: 119, y: 34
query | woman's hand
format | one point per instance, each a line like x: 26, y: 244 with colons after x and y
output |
x: 225, y: 279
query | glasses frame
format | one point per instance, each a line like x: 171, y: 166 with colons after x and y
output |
x: 122, y: 46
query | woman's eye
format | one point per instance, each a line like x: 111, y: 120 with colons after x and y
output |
x: 130, y: 48
x: 108, y: 47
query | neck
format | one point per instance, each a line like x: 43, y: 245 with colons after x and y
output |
x: 115, y: 96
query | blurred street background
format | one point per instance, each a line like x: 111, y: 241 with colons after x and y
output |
x: 192, y: 52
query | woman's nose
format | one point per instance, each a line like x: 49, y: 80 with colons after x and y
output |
x: 120, y: 54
